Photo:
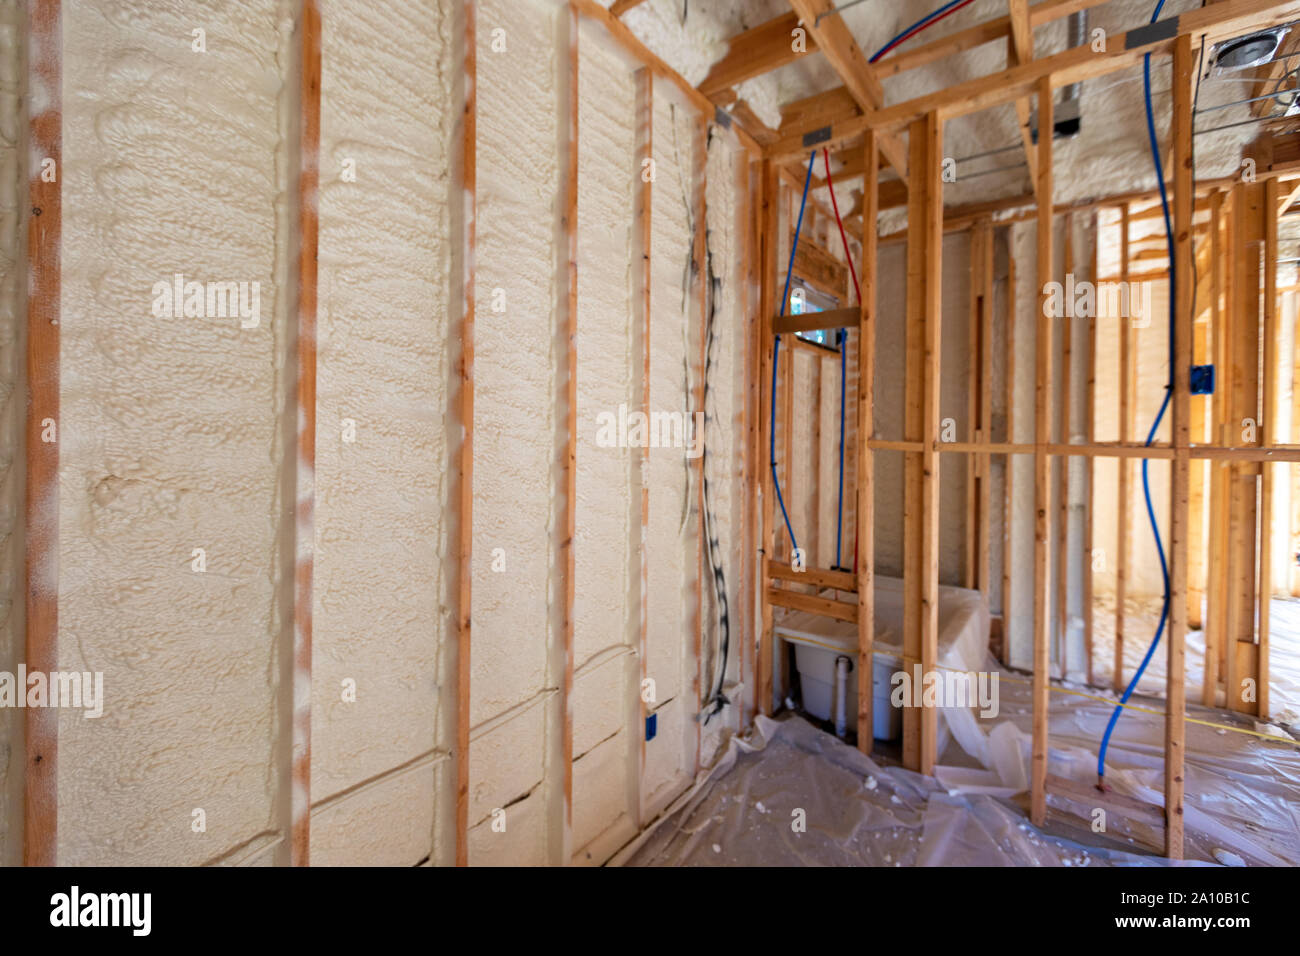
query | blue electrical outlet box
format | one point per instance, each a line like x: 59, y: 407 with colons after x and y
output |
x: 651, y: 726
x: 1201, y: 381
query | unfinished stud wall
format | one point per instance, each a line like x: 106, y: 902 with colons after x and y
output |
x: 177, y: 434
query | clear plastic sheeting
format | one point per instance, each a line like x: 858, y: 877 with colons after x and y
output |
x: 1241, y: 792
x: 794, y: 796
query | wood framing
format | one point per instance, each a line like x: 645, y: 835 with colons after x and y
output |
x: 1212, y: 22
x: 700, y: 289
x: 770, y: 217
x: 1175, y: 688
x: 1009, y: 463
x: 842, y: 53
x: 921, y: 424
x: 643, y: 186
x: 569, y: 402
x: 866, y: 586
x: 1270, y: 410
x: 305, y: 500
x: 628, y: 40
x: 41, y: 498
x: 754, y: 52
x: 1062, y: 633
x: 467, y: 136
x: 1042, y: 485
x: 1123, y: 513
x: 1020, y: 50
x: 1090, y: 436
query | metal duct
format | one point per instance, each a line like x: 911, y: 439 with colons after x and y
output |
x: 1067, y: 113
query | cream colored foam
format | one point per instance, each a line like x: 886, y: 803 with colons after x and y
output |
x: 170, y: 431
x: 383, y: 327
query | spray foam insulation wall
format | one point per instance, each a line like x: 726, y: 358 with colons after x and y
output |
x: 176, y: 434
x: 174, y: 162
x: 382, y: 327
x: 514, y: 673
x: 608, y: 526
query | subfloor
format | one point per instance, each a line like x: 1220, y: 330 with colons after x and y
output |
x: 1242, y: 804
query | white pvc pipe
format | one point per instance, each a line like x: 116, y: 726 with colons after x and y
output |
x: 841, y: 694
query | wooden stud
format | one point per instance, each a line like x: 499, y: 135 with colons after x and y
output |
x: 464, y: 567
x: 984, y: 500
x: 1042, y: 486
x: 304, y: 513
x: 842, y: 53
x: 641, y: 217
x: 1243, y: 344
x: 1215, y: 22
x: 933, y: 187
x: 1270, y: 436
x: 865, y: 459
x: 1215, y: 597
x: 701, y: 289
x: 1123, y: 513
x: 620, y: 33
x: 1009, y: 483
x: 754, y: 52
x: 1090, y: 432
x: 1175, y: 687
x: 1062, y: 632
x: 921, y: 423
x: 568, y: 461
x: 41, y: 498
x: 974, y: 377
x: 770, y: 213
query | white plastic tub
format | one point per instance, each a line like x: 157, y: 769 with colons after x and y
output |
x: 963, y: 644
x: 815, y: 660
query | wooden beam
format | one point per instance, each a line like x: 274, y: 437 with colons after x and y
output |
x: 921, y: 423
x: 1020, y: 50
x: 817, y: 577
x: 1214, y: 22
x: 1090, y: 436
x: 700, y: 288
x: 620, y: 7
x: 998, y: 28
x: 1062, y: 632
x: 1042, y: 486
x: 305, y: 499
x: 1269, y: 425
x: 41, y: 498
x: 629, y: 41
x: 749, y: 622
x: 569, y: 384
x: 643, y: 185
x: 1123, y: 512
x: 1175, y: 686
x: 811, y: 321
x: 1009, y: 484
x: 769, y: 225
x: 467, y: 135
x: 1244, y: 356
x: 865, y: 460
x: 826, y: 607
x: 842, y: 53
x: 821, y: 270
x: 757, y: 51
